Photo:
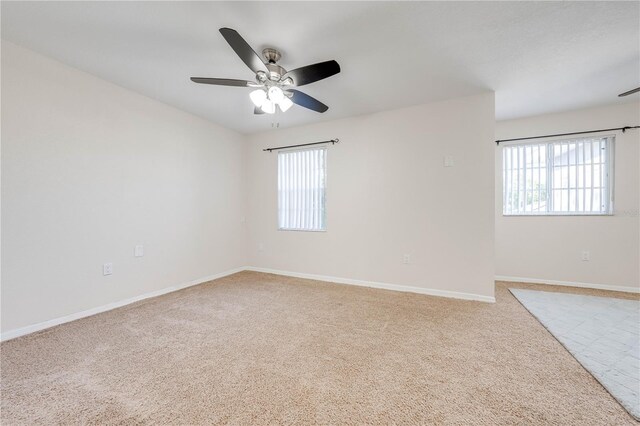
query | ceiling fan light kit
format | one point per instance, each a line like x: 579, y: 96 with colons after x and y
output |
x: 273, y: 83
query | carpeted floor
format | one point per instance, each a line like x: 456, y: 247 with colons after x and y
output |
x: 254, y: 348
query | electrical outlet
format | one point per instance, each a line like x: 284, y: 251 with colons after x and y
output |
x: 261, y: 247
x: 406, y: 259
x: 138, y: 251
x: 448, y: 161
x: 107, y: 269
x: 586, y: 256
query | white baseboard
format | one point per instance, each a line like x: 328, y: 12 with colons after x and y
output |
x: 569, y: 284
x: 373, y: 284
x: 11, y: 334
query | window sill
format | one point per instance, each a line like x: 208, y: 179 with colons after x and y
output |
x: 559, y: 215
x: 301, y: 230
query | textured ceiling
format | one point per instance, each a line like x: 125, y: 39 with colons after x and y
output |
x: 538, y: 57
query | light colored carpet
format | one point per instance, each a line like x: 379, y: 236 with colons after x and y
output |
x: 603, y: 333
x: 263, y: 349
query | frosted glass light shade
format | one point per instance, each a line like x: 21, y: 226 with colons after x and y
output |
x: 258, y: 97
x: 285, y: 104
x: 275, y: 94
x: 268, y: 107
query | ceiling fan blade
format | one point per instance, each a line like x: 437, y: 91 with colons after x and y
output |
x: 258, y: 110
x: 307, y: 101
x: 243, y: 50
x: 311, y: 73
x: 221, y: 81
x: 630, y: 92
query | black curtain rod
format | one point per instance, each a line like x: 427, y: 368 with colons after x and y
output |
x: 332, y: 141
x: 624, y: 129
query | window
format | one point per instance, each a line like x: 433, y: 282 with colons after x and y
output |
x: 302, y: 177
x: 568, y: 177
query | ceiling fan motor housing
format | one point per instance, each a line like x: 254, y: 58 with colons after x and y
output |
x: 272, y: 56
x: 275, y: 71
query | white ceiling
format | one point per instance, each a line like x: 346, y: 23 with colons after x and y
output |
x: 538, y: 57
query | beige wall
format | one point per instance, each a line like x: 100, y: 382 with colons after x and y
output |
x: 388, y: 195
x: 89, y: 170
x: 549, y: 248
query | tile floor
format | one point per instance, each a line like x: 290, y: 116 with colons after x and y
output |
x: 602, y: 333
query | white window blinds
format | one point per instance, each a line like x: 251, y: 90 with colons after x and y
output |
x: 560, y: 177
x: 302, y: 176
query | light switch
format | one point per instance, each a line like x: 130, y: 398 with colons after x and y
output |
x: 448, y: 161
x: 139, y: 251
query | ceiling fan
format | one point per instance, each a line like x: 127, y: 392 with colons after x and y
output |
x: 630, y: 92
x: 273, y: 84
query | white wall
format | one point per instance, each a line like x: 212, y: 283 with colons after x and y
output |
x: 89, y: 170
x: 388, y: 194
x: 549, y: 248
